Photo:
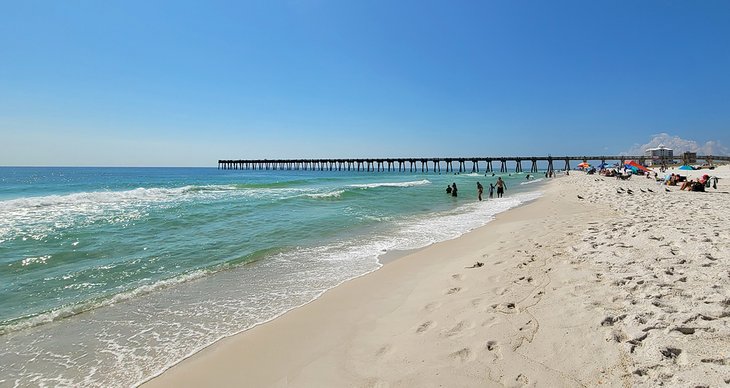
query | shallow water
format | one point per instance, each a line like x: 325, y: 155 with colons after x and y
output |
x: 110, y: 275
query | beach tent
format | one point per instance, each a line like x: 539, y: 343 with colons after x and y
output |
x: 635, y: 166
x: 686, y: 167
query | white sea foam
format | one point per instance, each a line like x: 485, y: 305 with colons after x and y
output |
x: 176, y: 323
x: 391, y: 184
x: 330, y: 194
x: 419, y: 232
x: 71, y: 310
x: 532, y: 181
x: 35, y: 217
x: 35, y: 260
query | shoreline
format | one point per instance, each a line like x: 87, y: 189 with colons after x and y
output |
x: 384, y: 259
x: 174, y: 322
x: 390, y: 279
x: 575, y: 290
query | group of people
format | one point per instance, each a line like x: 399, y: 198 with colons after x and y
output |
x: 698, y: 184
x: 500, y: 186
x: 674, y: 179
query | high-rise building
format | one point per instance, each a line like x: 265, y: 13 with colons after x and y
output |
x: 659, y: 155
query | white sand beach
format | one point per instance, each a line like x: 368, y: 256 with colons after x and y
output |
x: 613, y: 289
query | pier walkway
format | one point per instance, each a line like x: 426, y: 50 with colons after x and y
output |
x: 422, y: 164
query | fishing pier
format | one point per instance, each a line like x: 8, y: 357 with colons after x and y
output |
x: 435, y: 164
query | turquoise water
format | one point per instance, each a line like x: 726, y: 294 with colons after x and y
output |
x: 111, y: 275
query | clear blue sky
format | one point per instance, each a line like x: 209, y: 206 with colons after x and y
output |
x: 187, y: 83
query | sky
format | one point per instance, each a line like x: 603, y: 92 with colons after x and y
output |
x: 185, y: 83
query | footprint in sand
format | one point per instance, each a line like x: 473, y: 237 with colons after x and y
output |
x: 431, y: 307
x: 457, y: 276
x: 453, y: 290
x: 671, y: 353
x: 522, y: 379
x: 461, y: 355
x: 718, y: 361
x: 489, y: 322
x: 685, y: 330
x: 458, y: 328
x: 424, y: 326
x: 495, y: 349
x: 383, y: 351
x: 506, y: 308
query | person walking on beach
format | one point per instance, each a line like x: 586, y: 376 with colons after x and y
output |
x: 480, y: 190
x: 491, y: 190
x: 500, y: 187
x: 453, y: 189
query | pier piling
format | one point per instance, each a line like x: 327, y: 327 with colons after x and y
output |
x: 414, y: 164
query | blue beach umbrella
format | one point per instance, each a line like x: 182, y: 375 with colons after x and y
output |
x: 686, y: 167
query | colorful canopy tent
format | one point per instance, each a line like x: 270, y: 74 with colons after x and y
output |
x: 686, y: 167
x: 635, y: 166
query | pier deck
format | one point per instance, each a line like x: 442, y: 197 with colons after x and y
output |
x: 422, y: 164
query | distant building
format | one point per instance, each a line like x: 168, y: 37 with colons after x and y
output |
x: 659, y: 155
x: 689, y: 157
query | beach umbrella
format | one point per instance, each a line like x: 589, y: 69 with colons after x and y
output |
x: 636, y: 166
x: 686, y: 167
x: 584, y: 164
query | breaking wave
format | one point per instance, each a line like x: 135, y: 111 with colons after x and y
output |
x: 392, y: 184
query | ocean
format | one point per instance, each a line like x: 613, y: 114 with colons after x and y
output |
x: 109, y: 276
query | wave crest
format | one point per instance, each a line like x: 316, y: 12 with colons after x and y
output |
x: 392, y: 184
x: 331, y: 194
x: 71, y: 310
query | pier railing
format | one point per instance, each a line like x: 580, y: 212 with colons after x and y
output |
x: 462, y: 163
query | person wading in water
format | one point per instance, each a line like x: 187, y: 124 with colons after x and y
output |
x: 501, y: 186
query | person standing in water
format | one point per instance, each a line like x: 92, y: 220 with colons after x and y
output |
x: 480, y: 190
x: 453, y: 189
x: 491, y: 190
x: 501, y: 186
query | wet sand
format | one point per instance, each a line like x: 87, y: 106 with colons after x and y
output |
x: 611, y: 289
